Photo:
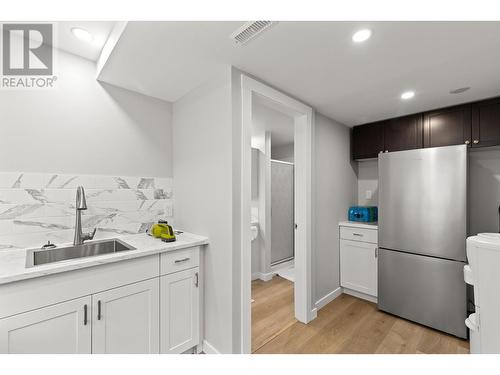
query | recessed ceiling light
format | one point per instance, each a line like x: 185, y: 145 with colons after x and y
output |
x: 361, y: 35
x: 460, y: 90
x: 407, y: 95
x: 82, y: 34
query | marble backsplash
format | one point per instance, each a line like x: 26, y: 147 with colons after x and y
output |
x: 38, y: 207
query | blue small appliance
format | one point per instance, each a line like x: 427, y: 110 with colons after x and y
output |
x: 365, y: 214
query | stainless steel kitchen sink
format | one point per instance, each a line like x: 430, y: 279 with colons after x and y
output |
x: 36, y: 257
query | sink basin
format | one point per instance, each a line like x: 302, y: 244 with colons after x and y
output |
x: 36, y: 257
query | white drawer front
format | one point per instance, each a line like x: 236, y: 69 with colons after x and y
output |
x: 359, y: 234
x: 179, y: 260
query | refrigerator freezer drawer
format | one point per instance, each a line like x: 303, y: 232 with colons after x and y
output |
x: 426, y: 290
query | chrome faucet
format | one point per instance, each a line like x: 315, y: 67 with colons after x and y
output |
x: 81, y: 204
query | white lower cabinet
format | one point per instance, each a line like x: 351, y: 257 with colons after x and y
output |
x: 143, y: 305
x: 126, y: 319
x: 61, y: 328
x: 180, y: 311
x: 358, y: 266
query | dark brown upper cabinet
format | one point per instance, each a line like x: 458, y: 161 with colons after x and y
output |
x: 448, y: 126
x: 403, y: 133
x: 486, y: 123
x: 367, y: 140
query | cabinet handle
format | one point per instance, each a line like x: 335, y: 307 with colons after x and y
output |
x: 475, y: 141
x: 376, y: 252
x: 182, y: 260
x: 99, y: 310
x: 85, y: 314
x: 386, y: 151
x: 196, y: 279
x: 467, y: 142
x: 357, y: 234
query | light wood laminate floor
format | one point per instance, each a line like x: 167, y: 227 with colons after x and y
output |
x: 345, y: 325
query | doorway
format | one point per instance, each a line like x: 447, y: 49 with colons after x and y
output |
x: 272, y: 223
x: 255, y: 93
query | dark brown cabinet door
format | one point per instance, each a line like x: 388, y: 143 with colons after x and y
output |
x: 447, y: 126
x: 403, y: 133
x: 367, y: 140
x: 486, y: 123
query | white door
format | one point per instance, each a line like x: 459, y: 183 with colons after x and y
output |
x: 179, y: 311
x: 358, y: 266
x: 56, y: 329
x: 126, y: 320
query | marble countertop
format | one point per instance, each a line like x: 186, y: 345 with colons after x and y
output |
x: 356, y: 224
x: 13, y: 262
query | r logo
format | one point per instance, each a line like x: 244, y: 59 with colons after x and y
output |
x: 27, y: 49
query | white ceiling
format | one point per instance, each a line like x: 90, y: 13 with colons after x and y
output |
x: 65, y: 40
x: 318, y: 63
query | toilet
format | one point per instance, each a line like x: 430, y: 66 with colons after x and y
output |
x: 483, y: 273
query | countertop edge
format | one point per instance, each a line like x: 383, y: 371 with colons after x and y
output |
x: 355, y: 224
x: 66, y: 266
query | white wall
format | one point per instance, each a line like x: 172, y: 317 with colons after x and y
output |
x: 334, y: 188
x: 84, y: 127
x: 368, y: 183
x: 484, y: 190
x: 203, y: 181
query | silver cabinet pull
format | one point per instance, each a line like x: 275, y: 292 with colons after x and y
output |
x: 182, y: 260
x: 85, y: 315
x: 196, y: 279
x: 357, y: 234
x: 99, y: 310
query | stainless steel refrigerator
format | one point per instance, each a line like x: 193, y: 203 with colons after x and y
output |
x: 422, y: 232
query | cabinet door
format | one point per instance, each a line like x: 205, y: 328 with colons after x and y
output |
x: 126, y: 319
x: 447, y: 126
x: 486, y: 123
x: 403, y: 133
x: 368, y: 140
x: 63, y: 328
x: 179, y: 311
x: 358, y: 266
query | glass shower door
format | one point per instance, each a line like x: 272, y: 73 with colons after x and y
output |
x: 282, y: 211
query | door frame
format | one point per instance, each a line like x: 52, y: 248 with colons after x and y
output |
x: 305, y: 310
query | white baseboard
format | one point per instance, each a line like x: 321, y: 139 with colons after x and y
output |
x: 209, y: 348
x: 313, y: 314
x: 262, y: 276
x: 328, y: 298
x: 279, y: 266
x: 361, y: 295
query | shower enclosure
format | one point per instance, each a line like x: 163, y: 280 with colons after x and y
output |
x: 282, y: 211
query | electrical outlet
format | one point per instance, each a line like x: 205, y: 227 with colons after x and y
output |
x: 368, y: 194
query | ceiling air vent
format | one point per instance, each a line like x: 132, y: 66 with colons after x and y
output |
x: 250, y: 30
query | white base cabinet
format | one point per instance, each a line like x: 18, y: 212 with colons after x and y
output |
x: 144, y: 305
x: 61, y: 328
x: 126, y: 319
x: 180, y: 307
x: 358, y: 260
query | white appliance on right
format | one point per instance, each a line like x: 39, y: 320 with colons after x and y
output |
x: 483, y: 272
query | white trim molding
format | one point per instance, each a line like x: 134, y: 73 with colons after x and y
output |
x: 209, y: 348
x: 303, y: 134
x: 322, y: 302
